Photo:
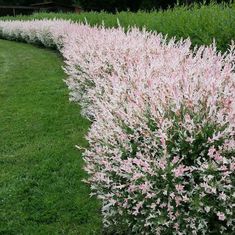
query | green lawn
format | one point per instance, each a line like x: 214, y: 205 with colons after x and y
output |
x: 41, y: 171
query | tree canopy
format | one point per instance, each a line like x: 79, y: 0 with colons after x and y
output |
x: 28, y: 2
x: 112, y: 5
x: 133, y: 5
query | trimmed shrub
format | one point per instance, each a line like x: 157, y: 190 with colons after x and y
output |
x: 162, y: 142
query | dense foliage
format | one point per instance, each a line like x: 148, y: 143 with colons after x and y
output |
x: 28, y: 2
x: 162, y: 142
x: 110, y: 5
x: 120, y: 5
x: 202, y: 24
x: 114, y: 5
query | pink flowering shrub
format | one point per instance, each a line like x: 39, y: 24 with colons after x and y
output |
x: 162, y: 146
x: 43, y: 32
x: 162, y: 142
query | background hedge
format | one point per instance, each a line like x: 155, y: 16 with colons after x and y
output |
x: 201, y: 23
x: 120, y: 5
x: 116, y: 5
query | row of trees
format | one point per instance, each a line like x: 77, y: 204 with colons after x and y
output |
x: 133, y: 5
x: 28, y: 2
x: 112, y: 5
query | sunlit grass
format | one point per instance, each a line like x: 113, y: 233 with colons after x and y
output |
x: 41, y: 171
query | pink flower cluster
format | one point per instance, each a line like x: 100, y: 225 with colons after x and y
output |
x: 162, y: 142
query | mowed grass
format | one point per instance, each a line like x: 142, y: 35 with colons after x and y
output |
x: 41, y: 170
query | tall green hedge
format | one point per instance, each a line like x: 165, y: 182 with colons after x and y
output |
x: 201, y: 23
x: 28, y: 2
x: 110, y: 5
x: 134, y: 5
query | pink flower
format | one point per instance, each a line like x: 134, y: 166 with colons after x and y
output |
x: 137, y: 208
x: 145, y: 187
x: 232, y: 166
x: 162, y: 164
x: 218, y: 157
x: 179, y: 171
x: 221, y: 216
x: 175, y: 159
x: 179, y: 188
x: 211, y: 152
x: 222, y: 196
x: 178, y: 200
x: 176, y: 226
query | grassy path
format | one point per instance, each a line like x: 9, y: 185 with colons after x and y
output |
x: 40, y: 169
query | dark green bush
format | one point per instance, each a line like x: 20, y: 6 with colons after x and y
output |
x: 134, y: 5
x: 110, y: 5
x: 28, y: 2
x: 201, y: 23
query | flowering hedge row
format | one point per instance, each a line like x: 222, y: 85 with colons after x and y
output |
x: 162, y: 142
